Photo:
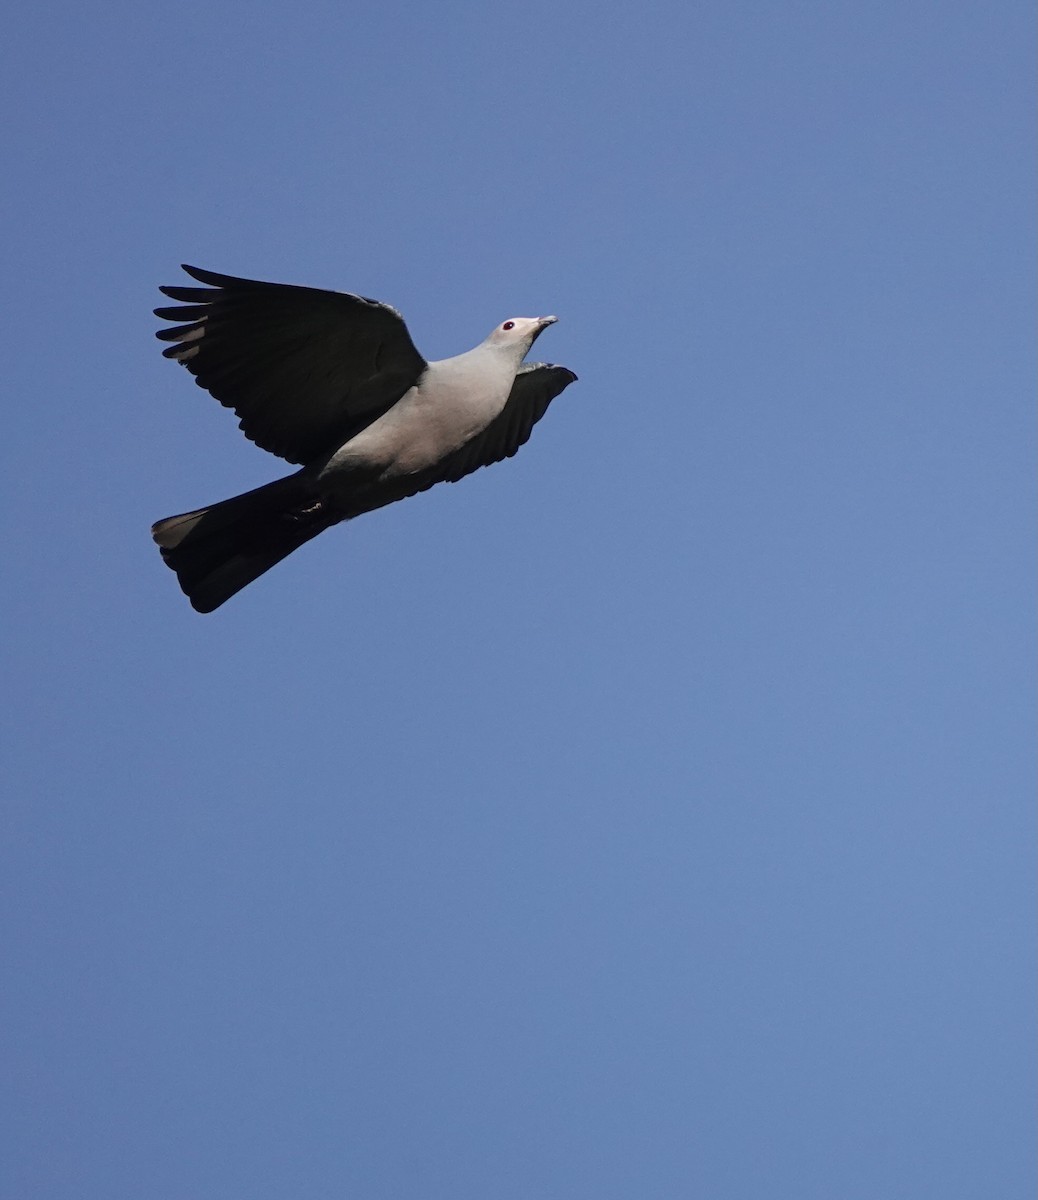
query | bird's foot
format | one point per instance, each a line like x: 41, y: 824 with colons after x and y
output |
x: 306, y: 512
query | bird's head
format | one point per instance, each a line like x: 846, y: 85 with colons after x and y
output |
x: 519, y: 332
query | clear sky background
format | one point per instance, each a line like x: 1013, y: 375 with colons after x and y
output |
x: 649, y: 816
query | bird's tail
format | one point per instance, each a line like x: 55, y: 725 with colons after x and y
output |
x: 216, y: 551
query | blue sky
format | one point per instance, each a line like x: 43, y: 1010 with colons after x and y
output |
x: 648, y: 816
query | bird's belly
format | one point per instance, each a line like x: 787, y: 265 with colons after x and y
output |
x: 420, y: 430
x: 429, y: 429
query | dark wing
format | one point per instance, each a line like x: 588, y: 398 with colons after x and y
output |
x: 536, y: 386
x: 303, y: 369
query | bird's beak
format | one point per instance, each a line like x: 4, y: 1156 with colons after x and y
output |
x: 542, y: 325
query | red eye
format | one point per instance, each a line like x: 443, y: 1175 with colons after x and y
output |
x: 508, y: 325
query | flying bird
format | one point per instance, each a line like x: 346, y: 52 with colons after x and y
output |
x: 333, y: 383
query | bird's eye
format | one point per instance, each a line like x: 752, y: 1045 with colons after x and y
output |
x: 508, y: 325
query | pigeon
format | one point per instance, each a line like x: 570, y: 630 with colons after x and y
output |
x: 332, y: 383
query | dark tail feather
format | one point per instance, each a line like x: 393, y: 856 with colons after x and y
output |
x: 216, y: 551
